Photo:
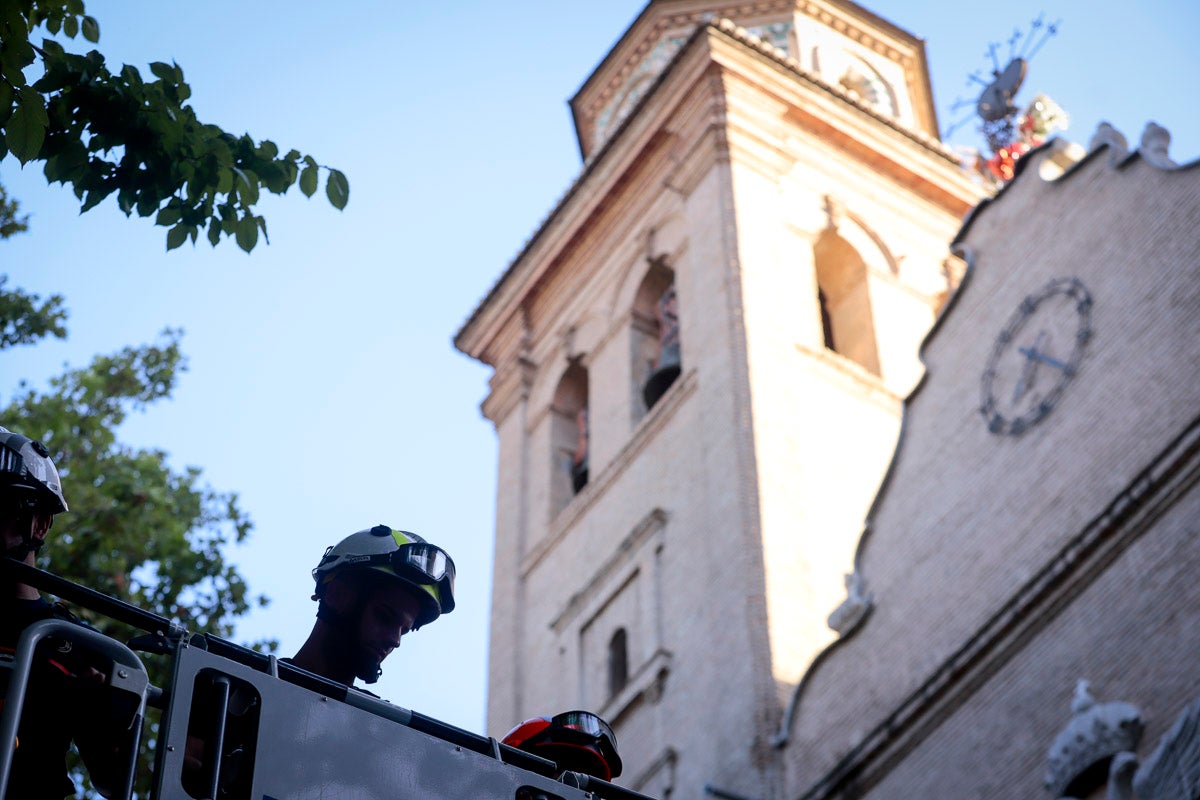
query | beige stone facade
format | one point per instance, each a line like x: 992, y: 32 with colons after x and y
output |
x: 777, y: 164
x: 716, y: 528
x: 1005, y: 568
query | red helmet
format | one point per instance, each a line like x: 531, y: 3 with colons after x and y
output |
x: 578, y: 741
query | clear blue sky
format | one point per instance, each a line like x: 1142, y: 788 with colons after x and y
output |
x: 323, y: 386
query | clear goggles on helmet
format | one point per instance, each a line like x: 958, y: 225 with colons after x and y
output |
x: 420, y: 562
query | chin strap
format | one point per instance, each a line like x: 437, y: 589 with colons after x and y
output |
x: 28, y: 545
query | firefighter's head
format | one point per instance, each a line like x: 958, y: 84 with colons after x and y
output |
x: 378, y: 584
x: 578, y: 741
x: 30, y: 494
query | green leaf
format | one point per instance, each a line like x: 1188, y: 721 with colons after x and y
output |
x: 6, y: 101
x: 26, y: 130
x: 337, y: 189
x: 247, y: 186
x: 147, y: 203
x: 53, y: 48
x: 131, y: 76
x: 262, y: 224
x: 214, y: 232
x: 163, y: 71
x: 94, y: 197
x: 268, y: 150
x: 176, y: 236
x: 247, y: 233
x: 308, y: 181
x: 126, y: 200
x: 168, y: 215
x: 91, y: 29
x: 224, y: 181
x: 54, y: 24
x: 71, y: 27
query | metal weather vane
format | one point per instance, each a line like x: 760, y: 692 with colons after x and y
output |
x: 1009, y: 131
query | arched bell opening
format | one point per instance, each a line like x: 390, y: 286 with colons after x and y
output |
x: 657, y: 357
x: 569, y: 435
x: 847, y: 322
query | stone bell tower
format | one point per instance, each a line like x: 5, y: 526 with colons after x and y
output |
x: 699, y: 363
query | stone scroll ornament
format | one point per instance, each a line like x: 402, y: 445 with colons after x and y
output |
x: 668, y: 363
x: 1106, y: 736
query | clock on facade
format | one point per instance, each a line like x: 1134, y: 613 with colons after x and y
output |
x: 1035, y: 356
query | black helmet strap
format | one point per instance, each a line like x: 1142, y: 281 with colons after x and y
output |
x: 28, y: 543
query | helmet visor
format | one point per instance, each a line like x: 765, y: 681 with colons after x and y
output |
x: 419, y: 562
x: 583, y: 722
x: 423, y: 562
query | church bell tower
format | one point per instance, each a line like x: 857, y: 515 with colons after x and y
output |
x: 699, y: 360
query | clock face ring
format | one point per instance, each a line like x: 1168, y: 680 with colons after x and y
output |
x: 1035, y: 356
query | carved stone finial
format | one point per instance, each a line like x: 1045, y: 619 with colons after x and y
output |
x: 1095, y: 732
x: 853, y: 608
x: 1083, y: 699
x: 1156, y: 140
x: 1107, y: 135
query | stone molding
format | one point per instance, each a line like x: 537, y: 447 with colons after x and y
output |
x: 647, y: 683
x: 649, y: 527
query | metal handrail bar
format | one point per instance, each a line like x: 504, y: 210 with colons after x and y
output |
x: 128, y: 675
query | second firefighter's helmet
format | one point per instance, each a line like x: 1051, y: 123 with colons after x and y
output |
x: 27, y: 472
x: 578, y: 741
x: 398, y: 555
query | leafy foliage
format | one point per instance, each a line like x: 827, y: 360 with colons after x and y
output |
x: 10, y: 222
x: 107, y: 133
x: 25, y: 318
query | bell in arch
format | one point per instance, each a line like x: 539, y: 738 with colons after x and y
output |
x: 668, y: 364
x: 579, y: 460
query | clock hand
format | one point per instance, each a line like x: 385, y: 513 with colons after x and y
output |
x: 1032, y: 354
x: 1028, y: 374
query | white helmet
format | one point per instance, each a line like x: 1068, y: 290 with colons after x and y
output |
x: 26, y: 468
x: 401, y: 556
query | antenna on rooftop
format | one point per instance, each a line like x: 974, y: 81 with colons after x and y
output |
x: 1008, y: 130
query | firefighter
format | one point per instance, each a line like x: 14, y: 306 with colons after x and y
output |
x: 373, y: 587
x: 576, y: 741
x: 63, y: 682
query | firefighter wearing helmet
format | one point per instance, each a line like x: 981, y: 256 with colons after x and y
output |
x: 576, y: 741
x: 65, y: 701
x: 31, y: 494
x: 373, y: 587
